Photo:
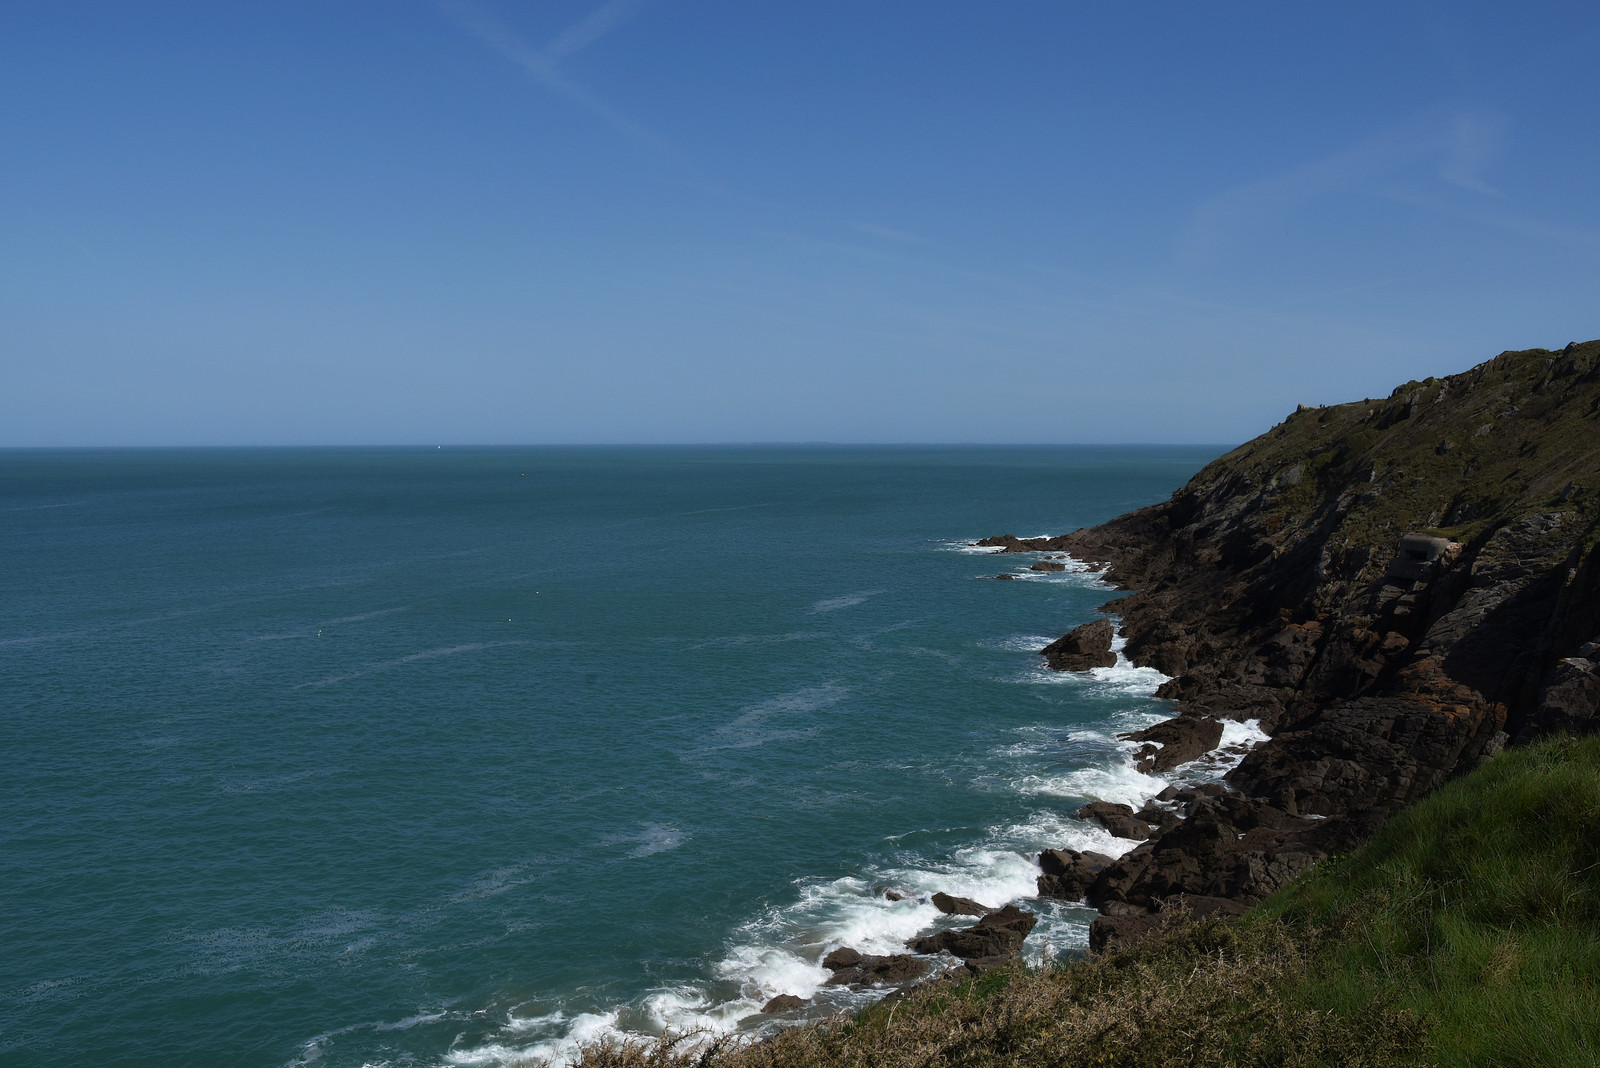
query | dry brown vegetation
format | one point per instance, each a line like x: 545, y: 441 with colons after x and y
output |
x: 1203, y: 993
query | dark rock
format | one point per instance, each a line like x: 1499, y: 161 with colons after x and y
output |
x: 1175, y: 741
x: 891, y: 970
x: 784, y: 1003
x: 958, y: 906
x: 1068, y: 874
x: 1082, y: 648
x: 1115, y: 932
x: 843, y: 957
x: 1010, y: 543
x: 1569, y: 701
x: 1047, y: 565
x: 893, y: 895
x: 997, y: 934
x: 1008, y: 576
x: 1118, y: 819
x: 1162, y: 819
x: 1230, y: 847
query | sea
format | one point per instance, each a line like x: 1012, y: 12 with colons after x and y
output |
x: 466, y: 756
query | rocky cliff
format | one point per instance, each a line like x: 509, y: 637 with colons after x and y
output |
x: 1393, y: 588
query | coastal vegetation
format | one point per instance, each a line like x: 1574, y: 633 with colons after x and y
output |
x: 1465, y: 933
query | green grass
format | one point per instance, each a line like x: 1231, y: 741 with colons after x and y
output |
x: 1466, y: 933
x: 1477, y: 909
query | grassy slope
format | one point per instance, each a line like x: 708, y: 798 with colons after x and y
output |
x: 1502, y: 440
x: 1466, y: 933
x: 1478, y: 909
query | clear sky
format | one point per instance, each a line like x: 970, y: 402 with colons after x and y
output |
x: 487, y: 221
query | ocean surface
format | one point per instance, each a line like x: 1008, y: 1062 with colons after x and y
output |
x: 457, y: 756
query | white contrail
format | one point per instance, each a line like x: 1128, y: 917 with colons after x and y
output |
x: 541, y: 63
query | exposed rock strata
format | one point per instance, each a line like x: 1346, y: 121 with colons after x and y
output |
x: 1275, y: 587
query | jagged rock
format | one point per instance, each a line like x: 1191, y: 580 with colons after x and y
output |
x: 1010, y: 543
x: 997, y: 934
x: 784, y: 1003
x: 1118, y: 819
x: 1161, y: 819
x: 1230, y: 847
x: 1068, y: 874
x: 1047, y: 565
x: 1175, y: 741
x: 1006, y: 577
x: 958, y: 906
x: 891, y: 970
x: 1082, y: 648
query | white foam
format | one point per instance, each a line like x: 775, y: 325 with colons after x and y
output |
x: 833, y: 604
x: 1237, y: 740
x: 656, y: 838
x: 1121, y: 785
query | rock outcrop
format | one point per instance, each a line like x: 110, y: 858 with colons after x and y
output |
x: 1391, y: 588
x: 958, y: 906
x: 851, y: 968
x: 997, y: 934
x: 1085, y: 647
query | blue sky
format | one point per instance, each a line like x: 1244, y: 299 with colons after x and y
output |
x: 479, y: 221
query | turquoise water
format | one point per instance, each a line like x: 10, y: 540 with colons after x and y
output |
x: 451, y: 756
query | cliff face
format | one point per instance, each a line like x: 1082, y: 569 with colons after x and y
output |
x: 1275, y: 586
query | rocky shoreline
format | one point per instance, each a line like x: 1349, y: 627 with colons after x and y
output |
x: 1393, y: 590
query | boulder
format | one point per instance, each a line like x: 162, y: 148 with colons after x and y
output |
x: 784, y: 1003
x: 1068, y: 874
x: 1082, y: 648
x: 1006, y: 577
x: 998, y: 934
x: 1118, y: 819
x: 843, y: 957
x: 958, y: 906
x: 1047, y: 565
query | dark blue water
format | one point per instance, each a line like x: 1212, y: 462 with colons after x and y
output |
x: 451, y: 756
